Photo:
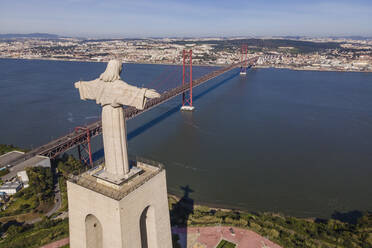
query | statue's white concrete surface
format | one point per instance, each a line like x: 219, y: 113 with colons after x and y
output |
x: 100, y: 218
x: 104, y: 210
x: 112, y: 93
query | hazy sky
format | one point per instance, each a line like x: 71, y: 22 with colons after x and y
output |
x: 144, y: 18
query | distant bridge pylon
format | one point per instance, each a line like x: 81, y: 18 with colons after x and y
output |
x: 244, y: 59
x: 187, y: 96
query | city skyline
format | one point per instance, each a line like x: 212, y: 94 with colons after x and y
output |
x: 143, y: 18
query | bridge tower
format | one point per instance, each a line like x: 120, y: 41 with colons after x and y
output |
x: 187, y: 63
x: 244, y: 59
x: 85, y: 147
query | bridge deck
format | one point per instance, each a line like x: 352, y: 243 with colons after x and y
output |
x: 64, y: 143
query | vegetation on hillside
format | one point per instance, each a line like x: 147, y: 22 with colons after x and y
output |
x: 66, y: 166
x: 4, y: 172
x: 262, y: 44
x: 8, y: 148
x: 28, y: 201
x: 344, y: 230
x: 16, y: 235
x: 34, y: 199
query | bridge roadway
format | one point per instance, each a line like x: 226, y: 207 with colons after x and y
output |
x: 64, y: 143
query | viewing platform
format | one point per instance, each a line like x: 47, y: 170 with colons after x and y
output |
x: 146, y: 169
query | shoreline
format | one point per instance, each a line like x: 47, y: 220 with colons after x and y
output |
x: 307, y: 69
x: 204, y: 65
x: 225, y: 208
x: 104, y: 61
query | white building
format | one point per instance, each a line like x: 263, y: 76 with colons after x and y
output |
x: 22, y: 175
x: 10, y: 188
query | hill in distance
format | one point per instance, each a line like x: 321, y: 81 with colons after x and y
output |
x: 32, y: 35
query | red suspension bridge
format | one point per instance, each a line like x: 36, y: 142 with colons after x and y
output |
x: 81, y: 136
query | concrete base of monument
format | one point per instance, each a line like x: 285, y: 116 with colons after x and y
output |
x: 187, y: 108
x: 115, y: 181
x: 133, y: 214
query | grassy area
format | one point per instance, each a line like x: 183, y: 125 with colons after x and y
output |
x: 69, y: 165
x: 66, y: 166
x: 20, y: 204
x: 225, y: 244
x: 8, y: 148
x: 33, y: 236
x: 63, y: 190
x: 4, y: 172
x: 20, y: 217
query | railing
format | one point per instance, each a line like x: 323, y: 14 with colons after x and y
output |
x: 90, y: 182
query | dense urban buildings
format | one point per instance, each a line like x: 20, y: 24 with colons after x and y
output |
x: 335, y: 54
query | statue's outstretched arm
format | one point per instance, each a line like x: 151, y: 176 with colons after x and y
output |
x: 133, y: 96
x: 151, y: 93
x: 88, y: 89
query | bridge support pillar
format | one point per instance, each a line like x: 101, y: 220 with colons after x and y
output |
x: 85, y: 147
x: 187, y: 98
x: 244, y: 60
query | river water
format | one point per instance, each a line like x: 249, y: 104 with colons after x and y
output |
x: 296, y: 142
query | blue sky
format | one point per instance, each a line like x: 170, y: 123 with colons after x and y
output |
x: 144, y: 18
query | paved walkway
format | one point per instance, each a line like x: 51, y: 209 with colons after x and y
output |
x: 57, y: 244
x: 209, y: 237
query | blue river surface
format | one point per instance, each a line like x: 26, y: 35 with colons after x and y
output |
x: 296, y: 142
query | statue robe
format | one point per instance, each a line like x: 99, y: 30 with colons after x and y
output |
x: 112, y: 96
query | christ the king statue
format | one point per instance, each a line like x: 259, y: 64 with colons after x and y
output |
x: 112, y: 93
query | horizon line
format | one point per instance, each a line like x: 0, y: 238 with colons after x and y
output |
x: 113, y: 37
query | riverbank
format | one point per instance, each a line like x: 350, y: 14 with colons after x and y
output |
x: 126, y: 62
x: 207, y: 65
x: 309, y: 69
x: 352, y: 229
x: 195, y: 224
x: 202, y: 225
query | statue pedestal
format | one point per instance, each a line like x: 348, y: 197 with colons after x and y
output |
x: 113, y: 180
x: 134, y: 214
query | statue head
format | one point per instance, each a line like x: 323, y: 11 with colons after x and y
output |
x: 112, y: 72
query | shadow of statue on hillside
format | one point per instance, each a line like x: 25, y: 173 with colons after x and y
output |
x: 350, y: 217
x: 12, y: 227
x: 179, y: 214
